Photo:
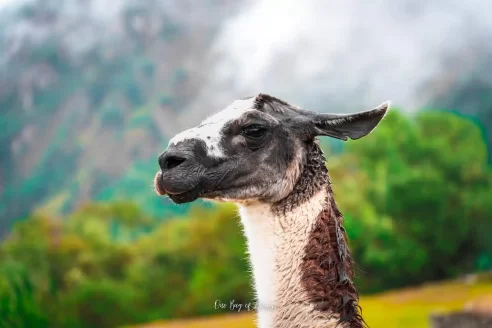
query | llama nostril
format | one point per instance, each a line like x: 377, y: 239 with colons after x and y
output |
x: 173, y: 161
x: 169, y: 161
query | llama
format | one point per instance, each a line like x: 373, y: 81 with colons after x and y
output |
x: 262, y: 154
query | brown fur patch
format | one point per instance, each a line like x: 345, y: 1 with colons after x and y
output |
x: 327, y: 274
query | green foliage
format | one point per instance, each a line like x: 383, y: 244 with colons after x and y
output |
x: 147, y: 67
x: 82, y: 272
x: 112, y: 116
x: 141, y: 118
x: 9, y: 126
x: 423, y: 197
x: 100, y: 303
x: 18, y: 306
x: 49, y: 52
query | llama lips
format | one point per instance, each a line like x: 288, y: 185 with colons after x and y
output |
x: 158, y: 188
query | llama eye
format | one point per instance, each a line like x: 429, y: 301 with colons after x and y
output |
x: 254, y: 131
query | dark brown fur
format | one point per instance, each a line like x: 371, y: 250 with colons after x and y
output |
x: 327, y: 273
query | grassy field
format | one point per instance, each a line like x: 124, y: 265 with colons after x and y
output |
x: 405, y: 308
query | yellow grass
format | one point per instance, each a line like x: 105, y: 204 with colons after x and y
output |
x: 406, y: 308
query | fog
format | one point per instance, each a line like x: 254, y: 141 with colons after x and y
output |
x: 348, y: 55
x: 325, y: 55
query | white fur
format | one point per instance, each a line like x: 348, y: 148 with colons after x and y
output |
x: 276, y: 244
x: 258, y: 229
x: 210, y: 129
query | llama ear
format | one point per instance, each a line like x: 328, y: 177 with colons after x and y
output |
x: 344, y: 126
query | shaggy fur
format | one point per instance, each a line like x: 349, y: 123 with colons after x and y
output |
x: 326, y: 268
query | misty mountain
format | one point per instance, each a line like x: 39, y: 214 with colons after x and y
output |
x: 90, y: 88
x: 90, y: 91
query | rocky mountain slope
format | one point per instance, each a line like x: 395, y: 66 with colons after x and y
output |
x: 90, y: 91
x: 89, y: 88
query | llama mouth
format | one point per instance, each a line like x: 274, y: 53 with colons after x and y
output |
x: 176, y: 197
x: 184, y: 197
x: 157, y: 185
x: 159, y: 188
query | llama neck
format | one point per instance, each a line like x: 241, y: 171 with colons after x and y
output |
x: 299, y: 256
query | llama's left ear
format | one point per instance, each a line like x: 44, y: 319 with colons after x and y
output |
x: 344, y: 126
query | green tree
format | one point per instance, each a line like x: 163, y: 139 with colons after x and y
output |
x: 424, y: 198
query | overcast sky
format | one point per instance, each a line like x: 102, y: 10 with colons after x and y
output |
x: 352, y: 51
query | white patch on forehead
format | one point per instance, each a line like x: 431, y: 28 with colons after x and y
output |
x: 210, y: 129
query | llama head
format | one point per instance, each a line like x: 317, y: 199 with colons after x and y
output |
x: 253, y: 150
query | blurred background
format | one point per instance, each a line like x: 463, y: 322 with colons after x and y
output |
x: 92, y: 90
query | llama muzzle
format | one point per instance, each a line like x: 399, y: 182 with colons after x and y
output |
x: 158, y: 188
